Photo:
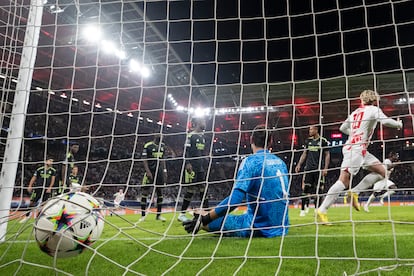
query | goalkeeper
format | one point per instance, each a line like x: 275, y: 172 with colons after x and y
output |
x: 262, y: 181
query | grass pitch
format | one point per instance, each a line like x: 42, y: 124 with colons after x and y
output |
x: 377, y: 243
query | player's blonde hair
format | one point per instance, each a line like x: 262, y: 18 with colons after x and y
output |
x: 369, y: 97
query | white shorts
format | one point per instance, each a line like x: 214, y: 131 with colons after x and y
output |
x: 356, y: 158
x: 116, y: 204
x: 382, y: 185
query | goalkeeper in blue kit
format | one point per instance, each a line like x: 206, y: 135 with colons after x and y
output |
x: 262, y: 182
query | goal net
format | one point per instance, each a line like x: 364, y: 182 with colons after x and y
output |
x: 109, y: 76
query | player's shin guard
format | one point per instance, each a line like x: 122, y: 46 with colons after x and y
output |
x: 332, y: 195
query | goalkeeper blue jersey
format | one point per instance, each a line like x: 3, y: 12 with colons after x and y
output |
x: 263, y: 177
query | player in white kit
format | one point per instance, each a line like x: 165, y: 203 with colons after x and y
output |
x: 359, y: 127
x: 119, y: 196
x: 384, y: 184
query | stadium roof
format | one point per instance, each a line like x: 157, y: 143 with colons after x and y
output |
x: 205, y: 64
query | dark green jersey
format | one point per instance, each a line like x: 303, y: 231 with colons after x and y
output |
x: 195, y: 150
x: 70, y: 160
x: 74, y: 179
x: 70, y: 163
x: 315, y: 148
x: 43, y: 176
x: 153, y: 153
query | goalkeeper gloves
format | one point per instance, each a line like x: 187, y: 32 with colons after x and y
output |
x: 194, y: 225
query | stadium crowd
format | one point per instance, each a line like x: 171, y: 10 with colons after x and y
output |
x: 110, y: 155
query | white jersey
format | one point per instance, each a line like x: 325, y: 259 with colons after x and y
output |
x: 388, y: 167
x: 119, y: 197
x: 360, y: 125
x: 387, y: 163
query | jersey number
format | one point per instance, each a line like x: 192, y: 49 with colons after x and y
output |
x: 357, y: 120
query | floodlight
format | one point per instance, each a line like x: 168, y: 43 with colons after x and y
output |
x: 92, y: 33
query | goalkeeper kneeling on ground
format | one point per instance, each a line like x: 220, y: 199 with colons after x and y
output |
x: 262, y: 182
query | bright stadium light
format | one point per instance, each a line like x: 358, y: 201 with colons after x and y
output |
x: 92, y: 33
x: 200, y: 112
x: 108, y: 46
x: 120, y: 54
x: 135, y: 66
x: 145, y: 72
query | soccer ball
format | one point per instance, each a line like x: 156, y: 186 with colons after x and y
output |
x: 67, y: 224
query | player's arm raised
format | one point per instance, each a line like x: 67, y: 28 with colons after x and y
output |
x: 388, y: 122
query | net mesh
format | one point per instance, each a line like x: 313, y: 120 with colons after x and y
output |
x: 110, y: 74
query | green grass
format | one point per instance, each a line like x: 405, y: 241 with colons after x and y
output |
x: 382, y: 238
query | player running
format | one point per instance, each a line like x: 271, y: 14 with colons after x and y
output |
x: 118, y: 198
x: 359, y: 126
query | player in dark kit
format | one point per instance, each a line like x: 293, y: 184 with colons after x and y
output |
x: 75, y: 181
x: 40, y: 185
x: 67, y: 167
x: 313, y: 182
x: 155, y: 174
x: 195, y: 162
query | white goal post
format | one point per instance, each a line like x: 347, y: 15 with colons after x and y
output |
x: 19, y: 110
